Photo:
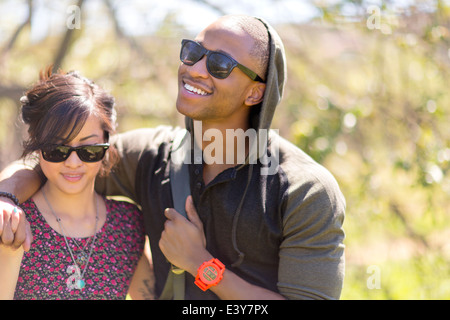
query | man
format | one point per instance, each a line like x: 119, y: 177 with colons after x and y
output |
x: 267, y: 227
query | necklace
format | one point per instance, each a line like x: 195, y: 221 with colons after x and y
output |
x: 82, y: 254
x: 76, y: 279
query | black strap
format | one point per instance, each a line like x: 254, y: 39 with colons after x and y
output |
x: 179, y: 182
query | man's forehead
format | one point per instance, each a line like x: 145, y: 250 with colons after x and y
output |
x: 222, y: 34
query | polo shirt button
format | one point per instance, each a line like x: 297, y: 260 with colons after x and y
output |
x: 199, y: 185
x: 197, y: 172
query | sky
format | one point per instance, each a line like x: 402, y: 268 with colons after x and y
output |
x: 138, y: 17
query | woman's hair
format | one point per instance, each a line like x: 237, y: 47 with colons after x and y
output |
x: 57, y: 107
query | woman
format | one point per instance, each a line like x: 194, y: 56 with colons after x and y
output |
x: 85, y: 246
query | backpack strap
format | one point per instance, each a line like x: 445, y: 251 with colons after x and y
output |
x: 180, y: 185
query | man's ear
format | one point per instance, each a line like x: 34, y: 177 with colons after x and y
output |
x: 255, y: 94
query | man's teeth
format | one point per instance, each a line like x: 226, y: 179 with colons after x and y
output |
x: 195, y: 90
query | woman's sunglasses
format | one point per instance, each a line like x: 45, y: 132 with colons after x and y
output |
x: 219, y: 64
x: 60, y: 153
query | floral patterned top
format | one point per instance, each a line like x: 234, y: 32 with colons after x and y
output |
x: 47, y: 270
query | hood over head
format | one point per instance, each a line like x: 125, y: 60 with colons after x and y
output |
x: 276, y: 77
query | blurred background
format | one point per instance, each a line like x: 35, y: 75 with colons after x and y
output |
x: 367, y: 96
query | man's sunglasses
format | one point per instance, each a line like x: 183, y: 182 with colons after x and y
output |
x: 219, y: 64
x: 60, y: 153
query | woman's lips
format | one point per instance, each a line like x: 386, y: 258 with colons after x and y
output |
x: 72, y: 177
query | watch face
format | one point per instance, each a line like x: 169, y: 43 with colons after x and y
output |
x: 209, y: 274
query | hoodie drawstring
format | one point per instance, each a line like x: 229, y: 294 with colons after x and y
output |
x: 235, y: 221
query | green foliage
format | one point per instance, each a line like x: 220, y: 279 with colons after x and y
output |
x: 373, y: 107
x: 423, y: 277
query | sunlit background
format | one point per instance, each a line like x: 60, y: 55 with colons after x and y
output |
x: 367, y: 96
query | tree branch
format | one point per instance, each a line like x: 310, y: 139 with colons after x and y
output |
x: 13, y: 92
x: 65, y: 45
x: 16, y: 34
x: 118, y: 30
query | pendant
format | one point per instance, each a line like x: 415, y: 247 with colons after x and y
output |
x: 82, y: 259
x: 74, y: 281
x: 80, y: 283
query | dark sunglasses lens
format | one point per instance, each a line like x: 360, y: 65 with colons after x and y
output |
x: 219, y: 65
x: 55, y: 154
x: 191, y: 53
x: 91, y: 153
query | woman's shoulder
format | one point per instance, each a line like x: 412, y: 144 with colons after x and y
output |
x: 28, y: 205
x: 126, y: 217
x: 122, y: 209
x: 31, y: 211
x: 116, y: 204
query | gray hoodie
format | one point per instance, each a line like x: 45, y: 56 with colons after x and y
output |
x: 275, y: 220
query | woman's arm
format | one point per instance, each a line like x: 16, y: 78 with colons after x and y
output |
x: 22, y: 181
x: 142, y: 285
x: 9, y: 271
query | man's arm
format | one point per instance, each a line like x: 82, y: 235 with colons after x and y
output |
x: 312, y: 252
x: 21, y: 180
x: 130, y: 145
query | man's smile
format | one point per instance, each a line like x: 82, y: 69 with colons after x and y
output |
x: 195, y: 90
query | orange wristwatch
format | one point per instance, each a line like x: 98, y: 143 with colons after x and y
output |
x: 209, y: 274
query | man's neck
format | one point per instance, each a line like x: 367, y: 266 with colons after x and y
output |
x: 223, y: 147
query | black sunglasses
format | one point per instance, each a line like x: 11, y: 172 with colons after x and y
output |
x: 219, y: 64
x: 60, y: 153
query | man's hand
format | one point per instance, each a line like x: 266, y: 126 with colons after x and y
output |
x: 15, y: 230
x: 183, y: 241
